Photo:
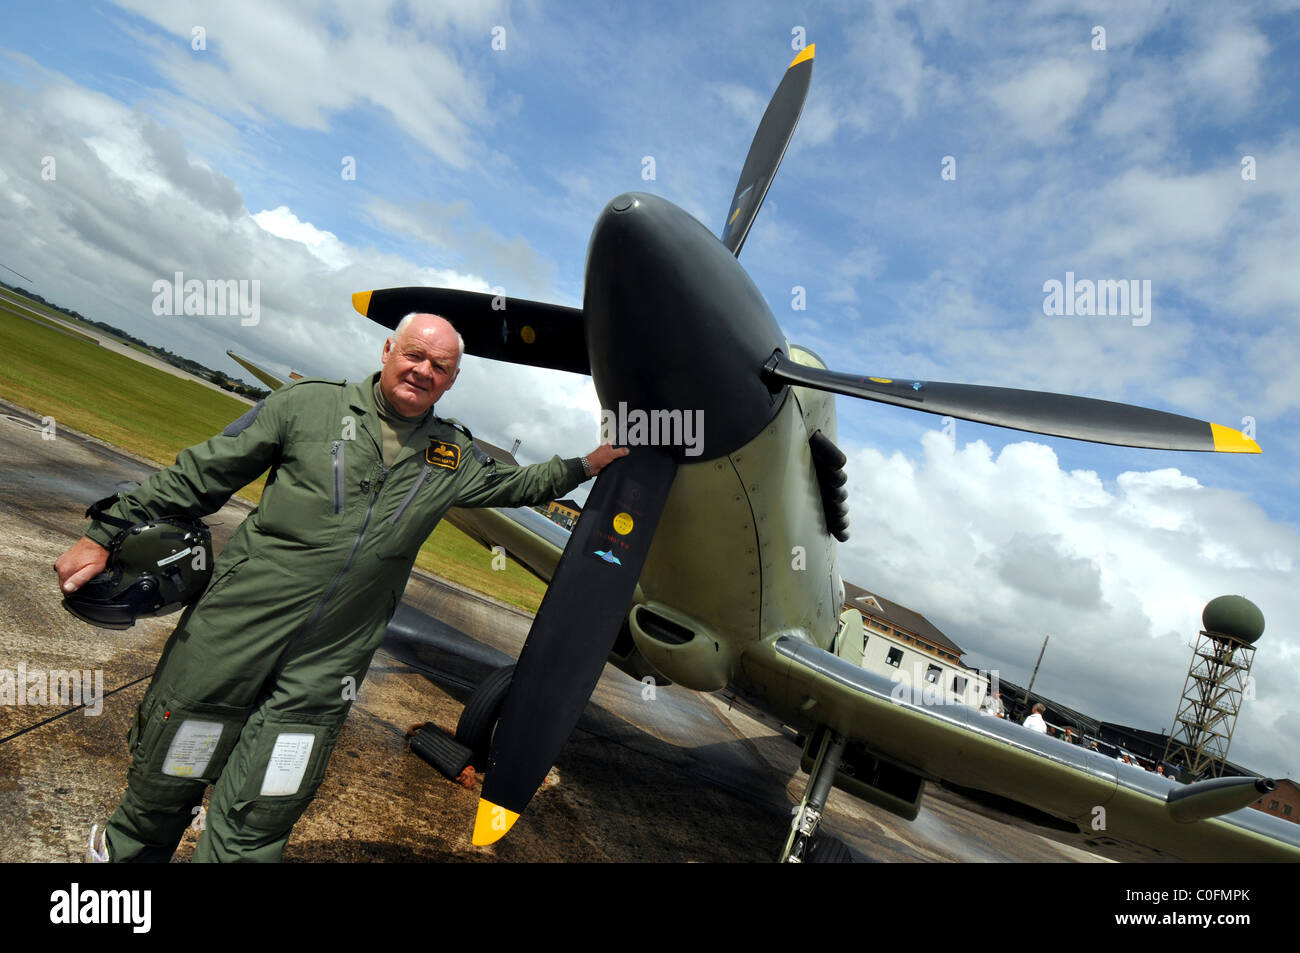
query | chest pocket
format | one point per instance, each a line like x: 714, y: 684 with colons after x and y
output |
x: 309, y: 496
x: 417, y: 512
x: 425, y: 471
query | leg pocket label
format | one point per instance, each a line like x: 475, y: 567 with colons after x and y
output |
x: 287, y: 764
x: 192, y: 748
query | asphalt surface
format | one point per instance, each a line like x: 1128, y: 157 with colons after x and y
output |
x: 676, y: 777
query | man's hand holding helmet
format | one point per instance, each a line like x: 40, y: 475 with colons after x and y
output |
x: 85, y: 560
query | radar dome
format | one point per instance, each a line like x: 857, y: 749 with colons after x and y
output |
x: 1234, y: 616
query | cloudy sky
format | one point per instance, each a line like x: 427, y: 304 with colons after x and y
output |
x: 216, y: 139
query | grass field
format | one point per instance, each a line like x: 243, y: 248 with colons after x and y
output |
x: 155, y: 414
x: 62, y: 328
x: 55, y: 315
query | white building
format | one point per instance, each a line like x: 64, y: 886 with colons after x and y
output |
x: 905, y: 647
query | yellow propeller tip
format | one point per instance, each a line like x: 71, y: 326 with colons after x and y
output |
x: 492, y: 823
x: 1227, y: 440
x: 807, y: 53
x: 361, y: 301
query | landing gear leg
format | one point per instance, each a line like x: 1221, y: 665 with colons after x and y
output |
x: 800, y: 846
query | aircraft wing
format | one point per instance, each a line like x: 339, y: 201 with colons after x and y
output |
x: 535, y: 541
x: 1119, y: 810
x: 269, y: 378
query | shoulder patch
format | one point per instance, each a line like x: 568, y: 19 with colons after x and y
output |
x: 442, y: 453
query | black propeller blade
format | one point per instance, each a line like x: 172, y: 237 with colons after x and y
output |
x: 1057, y: 415
x: 767, y: 149
x: 504, y: 329
x: 573, y: 633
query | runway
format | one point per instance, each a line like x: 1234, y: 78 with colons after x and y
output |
x: 23, y: 309
x: 676, y: 777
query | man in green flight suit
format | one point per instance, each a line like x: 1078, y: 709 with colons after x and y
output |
x: 255, y: 682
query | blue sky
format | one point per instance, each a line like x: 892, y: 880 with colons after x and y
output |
x: 480, y: 167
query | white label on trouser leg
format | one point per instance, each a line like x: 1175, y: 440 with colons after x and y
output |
x: 191, y: 749
x: 288, y: 764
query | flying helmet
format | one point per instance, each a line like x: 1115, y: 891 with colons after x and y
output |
x: 153, y: 568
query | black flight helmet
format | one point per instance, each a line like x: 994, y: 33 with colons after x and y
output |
x: 154, y: 568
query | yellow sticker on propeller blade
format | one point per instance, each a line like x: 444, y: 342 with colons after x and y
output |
x: 528, y: 334
x: 623, y: 524
x: 880, y: 380
x: 492, y: 823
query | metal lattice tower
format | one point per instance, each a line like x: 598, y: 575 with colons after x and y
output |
x: 1217, y: 682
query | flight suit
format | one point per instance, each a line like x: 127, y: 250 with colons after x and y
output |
x: 255, y: 682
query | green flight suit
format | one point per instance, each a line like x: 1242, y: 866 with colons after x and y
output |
x: 255, y: 682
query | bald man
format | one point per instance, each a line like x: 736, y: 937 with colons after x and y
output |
x: 255, y: 682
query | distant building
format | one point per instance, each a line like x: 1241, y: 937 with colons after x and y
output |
x: 564, y: 512
x: 906, y: 647
x: 1283, y: 803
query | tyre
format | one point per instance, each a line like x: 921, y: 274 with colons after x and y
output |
x: 830, y: 850
x: 440, y: 751
x: 479, y: 719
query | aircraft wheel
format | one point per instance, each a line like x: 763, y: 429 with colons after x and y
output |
x: 830, y: 850
x: 478, y: 721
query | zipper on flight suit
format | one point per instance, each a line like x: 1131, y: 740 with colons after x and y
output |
x: 336, y: 451
x: 375, y: 486
x: 406, y: 501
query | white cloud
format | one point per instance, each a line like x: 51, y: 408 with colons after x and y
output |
x: 324, y: 245
x: 1041, y: 98
x: 460, y: 241
x: 302, y: 65
x: 1226, y: 68
x: 1000, y: 550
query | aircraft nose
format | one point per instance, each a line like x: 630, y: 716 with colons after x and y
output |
x: 673, y: 323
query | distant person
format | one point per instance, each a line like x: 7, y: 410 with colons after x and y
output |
x: 256, y: 680
x: 1035, y: 720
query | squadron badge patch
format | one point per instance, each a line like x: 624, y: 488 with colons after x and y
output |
x: 442, y: 454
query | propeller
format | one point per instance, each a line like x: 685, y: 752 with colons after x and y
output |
x: 573, y: 633
x: 768, y: 148
x: 1056, y: 415
x: 505, y: 329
